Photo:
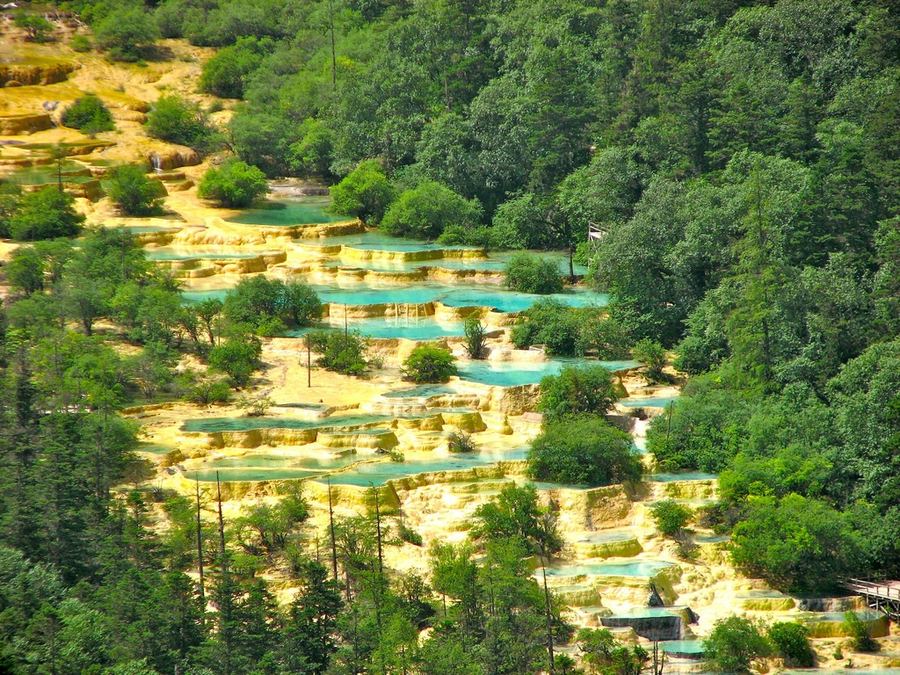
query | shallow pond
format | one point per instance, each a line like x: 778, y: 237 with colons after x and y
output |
x: 389, y: 327
x: 684, y: 476
x: 648, y: 402
x: 381, y: 472
x: 510, y: 374
x: 287, y: 212
x: 452, y: 296
x: 644, y: 568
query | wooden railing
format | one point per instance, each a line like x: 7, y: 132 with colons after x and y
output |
x: 884, y: 590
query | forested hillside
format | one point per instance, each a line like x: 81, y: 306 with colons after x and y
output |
x: 739, y: 164
x: 742, y: 159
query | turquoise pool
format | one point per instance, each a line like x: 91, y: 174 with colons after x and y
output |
x: 233, y: 475
x: 605, y: 537
x: 645, y: 568
x: 287, y: 212
x: 510, y: 374
x: 380, y: 473
x: 453, y: 296
x: 649, y: 402
x: 687, y: 647
x: 263, y: 461
x: 373, y: 240
x: 422, y: 391
x: 675, y: 477
x: 386, y: 327
x: 219, y: 424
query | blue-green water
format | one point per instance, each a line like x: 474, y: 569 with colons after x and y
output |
x: 232, y: 475
x: 838, y: 617
x: 287, y: 212
x: 263, y: 461
x: 381, y: 472
x: 763, y: 593
x: 694, y: 647
x: 218, y: 424
x: 649, y: 402
x: 452, y: 296
x: 646, y: 568
x: 604, y: 537
x: 387, y: 327
x: 225, y: 424
x: 373, y: 240
x: 674, y: 477
x: 510, y: 374
x: 422, y: 391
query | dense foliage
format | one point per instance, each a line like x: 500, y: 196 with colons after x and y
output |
x: 44, y: 214
x: 133, y: 191
x: 584, y: 450
x: 270, y: 306
x: 233, y: 184
x: 429, y: 363
x: 341, y: 352
x: 88, y: 114
x: 578, y: 391
x: 176, y: 120
x: 532, y: 274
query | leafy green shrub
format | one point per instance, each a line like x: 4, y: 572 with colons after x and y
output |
x: 461, y: 235
x: 260, y: 302
x: 311, y: 155
x: 859, y: 632
x: 670, y: 516
x: 409, y: 535
x: 604, y: 654
x: 36, y: 27
x: 81, y: 44
x: 577, y: 390
x: 461, y: 442
x: 475, y: 337
x: 25, y: 270
x: 127, y: 32
x: 550, y: 323
x: 207, y: 391
x: 340, y: 352
x: 134, y: 192
x: 791, y: 641
x: 529, y: 273
x: 521, y: 223
x: 429, y: 363
x: 583, y: 450
x: 225, y: 74
x: 733, y: 644
x: 237, y: 357
x: 516, y: 514
x: 234, y: 184
x: 364, y: 193
x: 425, y: 210
x: 89, y: 115
x: 173, y: 457
x: 45, y: 214
x: 653, y: 356
x: 702, y: 429
x: 796, y: 544
x: 175, y: 120
x: 607, y: 338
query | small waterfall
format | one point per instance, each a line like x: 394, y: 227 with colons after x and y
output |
x: 156, y: 162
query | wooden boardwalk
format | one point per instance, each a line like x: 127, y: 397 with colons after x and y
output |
x: 883, y: 596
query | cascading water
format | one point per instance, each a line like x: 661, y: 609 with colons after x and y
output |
x: 156, y: 162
